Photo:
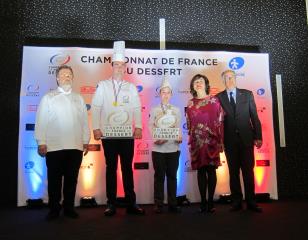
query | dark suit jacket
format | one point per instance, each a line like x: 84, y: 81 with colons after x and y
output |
x: 245, y: 121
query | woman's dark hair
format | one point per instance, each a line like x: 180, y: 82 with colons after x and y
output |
x: 206, y: 81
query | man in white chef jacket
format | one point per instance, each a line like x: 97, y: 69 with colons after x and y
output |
x: 116, y: 119
x: 62, y: 134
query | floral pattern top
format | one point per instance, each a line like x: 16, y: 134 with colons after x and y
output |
x: 205, y: 126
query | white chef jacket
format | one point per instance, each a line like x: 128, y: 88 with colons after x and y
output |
x: 170, y: 145
x: 62, y: 121
x: 127, y: 101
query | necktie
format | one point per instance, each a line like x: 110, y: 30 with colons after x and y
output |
x: 232, y: 102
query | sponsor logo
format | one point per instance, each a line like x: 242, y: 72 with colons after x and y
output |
x: 88, y: 106
x: 32, y: 108
x: 143, y: 148
x: 60, y: 59
x: 261, y: 91
x: 263, y: 163
x: 261, y: 109
x: 187, y: 167
x: 141, y: 165
x: 94, y: 147
x: 264, y: 150
x: 29, y: 165
x: 29, y: 147
x: 185, y: 130
x: 139, y: 88
x: 157, y: 92
x: 87, y: 89
x: 30, y: 126
x: 142, y: 145
x: 183, y: 91
x: 87, y: 166
x: 185, y: 127
x: 33, y: 90
x: 236, y: 63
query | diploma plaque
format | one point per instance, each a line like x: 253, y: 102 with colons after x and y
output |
x: 165, y: 127
x: 166, y: 133
x: 117, y: 125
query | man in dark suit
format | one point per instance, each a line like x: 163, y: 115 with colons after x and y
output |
x: 242, y: 130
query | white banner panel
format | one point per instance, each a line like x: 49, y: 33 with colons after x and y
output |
x: 145, y: 68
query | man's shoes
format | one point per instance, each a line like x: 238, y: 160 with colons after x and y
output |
x: 174, y: 209
x: 70, y: 213
x: 158, y: 209
x: 236, y: 208
x: 254, y: 208
x: 135, y: 209
x: 52, y: 215
x: 110, y: 210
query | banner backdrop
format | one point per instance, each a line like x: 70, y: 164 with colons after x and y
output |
x: 145, y: 68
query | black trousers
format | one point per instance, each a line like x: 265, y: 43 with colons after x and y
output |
x: 113, y: 148
x: 241, y: 157
x: 66, y: 164
x: 207, y: 180
x: 165, y: 164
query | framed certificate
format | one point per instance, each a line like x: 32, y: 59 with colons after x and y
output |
x: 118, y: 125
x: 165, y: 127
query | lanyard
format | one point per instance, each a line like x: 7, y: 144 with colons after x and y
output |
x: 116, y: 93
x: 164, y: 108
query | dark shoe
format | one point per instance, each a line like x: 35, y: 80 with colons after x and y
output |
x: 70, y: 214
x: 158, y: 209
x: 110, y: 210
x: 211, y: 208
x: 236, y: 208
x: 174, y: 209
x: 202, y: 208
x: 52, y: 215
x: 254, y: 208
x: 135, y: 209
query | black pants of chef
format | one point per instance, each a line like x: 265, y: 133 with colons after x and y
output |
x: 165, y: 164
x: 123, y: 148
x: 62, y: 165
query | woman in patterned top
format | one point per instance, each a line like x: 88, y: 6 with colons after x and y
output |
x: 205, y: 124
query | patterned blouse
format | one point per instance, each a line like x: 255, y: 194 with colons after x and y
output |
x: 205, y: 125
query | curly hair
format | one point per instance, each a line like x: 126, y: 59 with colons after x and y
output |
x: 206, y: 81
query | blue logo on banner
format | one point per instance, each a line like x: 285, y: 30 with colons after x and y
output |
x: 139, y: 88
x: 236, y: 63
x: 261, y: 91
x: 88, y: 106
x: 30, y: 126
x: 33, y: 88
x: 185, y: 127
x: 60, y: 59
x: 29, y: 165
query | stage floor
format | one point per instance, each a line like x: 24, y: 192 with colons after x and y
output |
x: 283, y: 219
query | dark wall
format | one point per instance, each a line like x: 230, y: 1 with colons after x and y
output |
x: 277, y: 27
